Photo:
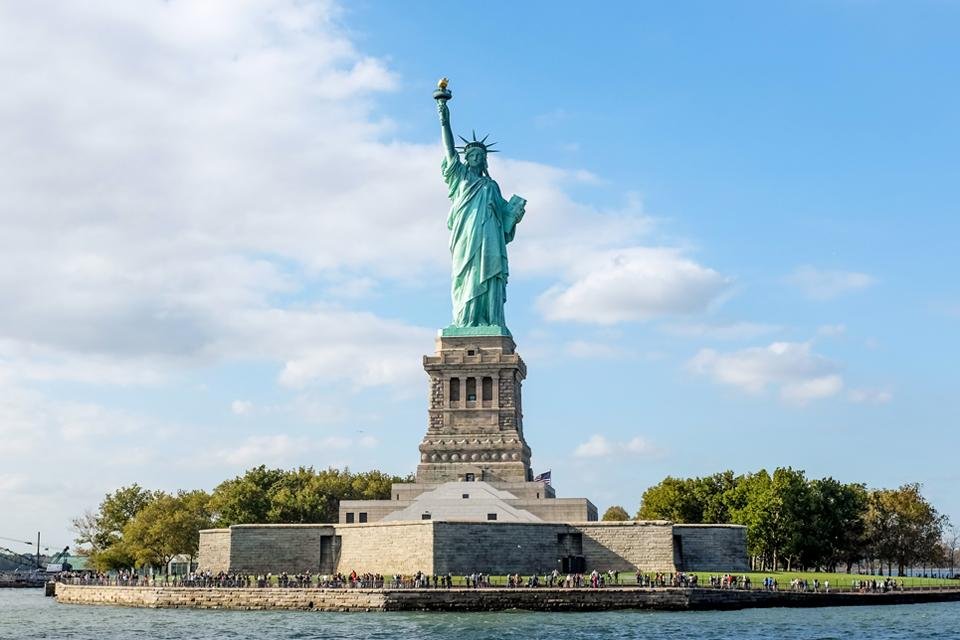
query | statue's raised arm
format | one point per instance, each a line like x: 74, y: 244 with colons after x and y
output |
x: 442, y: 95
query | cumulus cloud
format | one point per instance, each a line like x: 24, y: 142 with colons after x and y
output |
x: 194, y: 185
x: 831, y: 330
x: 285, y: 449
x: 599, y: 446
x: 368, y: 442
x: 633, y: 284
x: 241, y: 407
x: 870, y: 396
x: 800, y: 374
x: 12, y: 482
x: 203, y: 162
x: 262, y: 449
x: 595, y: 350
x: 731, y: 331
x: 825, y: 284
x: 182, y: 195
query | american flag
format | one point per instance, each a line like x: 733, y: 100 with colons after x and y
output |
x: 543, y: 477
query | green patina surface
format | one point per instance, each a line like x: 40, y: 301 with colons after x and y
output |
x: 482, y: 330
x: 481, y: 223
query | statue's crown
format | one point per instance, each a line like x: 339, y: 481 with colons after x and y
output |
x: 478, y: 144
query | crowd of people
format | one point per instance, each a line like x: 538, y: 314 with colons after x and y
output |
x: 478, y: 580
x: 877, y: 586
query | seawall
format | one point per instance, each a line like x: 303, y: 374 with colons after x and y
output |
x: 498, y: 599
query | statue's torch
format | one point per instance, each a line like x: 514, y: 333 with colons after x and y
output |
x: 442, y: 94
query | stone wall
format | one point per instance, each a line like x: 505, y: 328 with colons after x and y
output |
x: 214, y: 550
x: 558, y: 509
x: 438, y: 546
x: 494, y: 547
x: 628, y: 546
x: 387, y: 548
x: 244, y: 599
x: 376, y: 510
x: 259, y: 548
x: 477, y: 599
x: 711, y: 547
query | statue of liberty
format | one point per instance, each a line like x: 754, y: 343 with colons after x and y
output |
x: 481, y: 223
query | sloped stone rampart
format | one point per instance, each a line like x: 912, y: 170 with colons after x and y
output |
x: 262, y: 548
x: 628, y: 546
x: 387, y: 548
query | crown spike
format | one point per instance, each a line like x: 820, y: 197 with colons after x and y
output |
x: 474, y: 135
x: 485, y: 138
x: 465, y: 141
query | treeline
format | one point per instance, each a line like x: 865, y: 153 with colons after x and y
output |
x: 796, y: 523
x: 135, y: 527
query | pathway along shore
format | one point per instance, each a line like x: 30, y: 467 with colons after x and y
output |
x: 495, y: 599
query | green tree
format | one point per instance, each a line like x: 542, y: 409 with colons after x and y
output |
x: 838, y: 513
x: 903, y: 528
x: 673, y: 499
x: 752, y: 505
x: 616, y: 513
x: 791, y: 515
x: 246, y: 498
x: 100, y: 533
x: 297, y: 496
x: 714, y: 493
x: 302, y: 496
x: 689, y: 500
x: 168, y: 526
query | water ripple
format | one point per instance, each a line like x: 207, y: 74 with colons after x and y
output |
x: 25, y: 613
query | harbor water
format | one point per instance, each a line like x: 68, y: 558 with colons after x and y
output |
x: 26, y: 613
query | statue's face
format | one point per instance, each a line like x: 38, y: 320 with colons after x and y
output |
x: 475, y: 158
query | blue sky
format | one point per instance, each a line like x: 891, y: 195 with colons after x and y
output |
x: 224, y: 240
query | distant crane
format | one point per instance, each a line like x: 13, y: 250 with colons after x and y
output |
x: 30, y: 560
x: 18, y: 558
x: 59, y: 563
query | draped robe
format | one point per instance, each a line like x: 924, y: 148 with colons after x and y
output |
x: 481, y: 224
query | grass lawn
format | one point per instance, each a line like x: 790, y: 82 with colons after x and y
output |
x: 837, y: 580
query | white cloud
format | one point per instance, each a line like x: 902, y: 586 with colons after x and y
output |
x: 870, y: 396
x: 12, y: 482
x: 550, y: 118
x: 241, y: 407
x: 197, y: 161
x: 800, y: 374
x: 30, y: 421
x: 88, y: 422
x: 192, y: 185
x: 812, y: 389
x: 634, y: 284
x: 272, y: 449
x: 368, y: 442
x: 824, y: 284
x: 593, y: 349
x: 203, y: 162
x: 598, y: 446
x: 732, y: 331
x: 831, y: 330
x: 279, y: 449
x: 640, y: 446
